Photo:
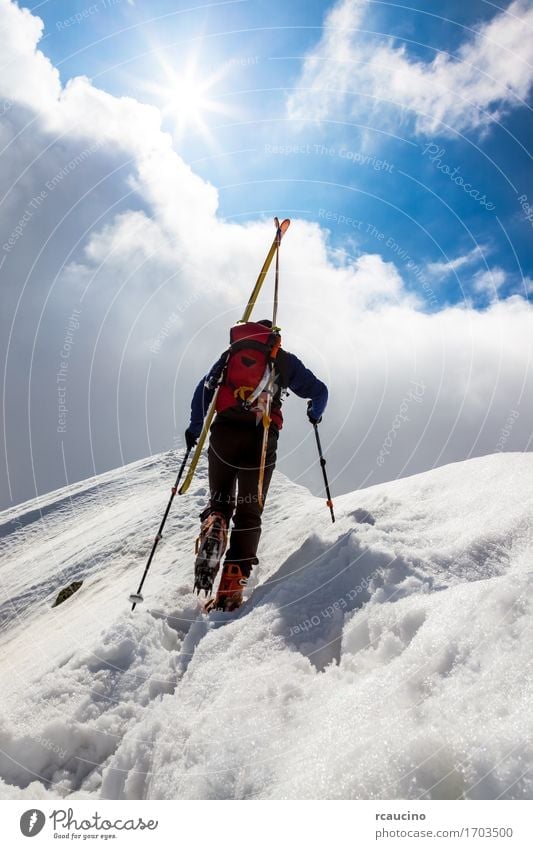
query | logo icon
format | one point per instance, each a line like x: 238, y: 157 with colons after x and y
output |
x: 32, y: 822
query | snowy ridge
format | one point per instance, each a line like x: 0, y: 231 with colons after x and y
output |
x: 386, y: 656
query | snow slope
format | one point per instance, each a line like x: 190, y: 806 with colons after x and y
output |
x: 386, y: 656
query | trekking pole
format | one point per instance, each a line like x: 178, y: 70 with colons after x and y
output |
x: 329, y: 502
x: 136, y: 598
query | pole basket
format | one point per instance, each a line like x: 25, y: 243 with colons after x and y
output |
x: 136, y: 598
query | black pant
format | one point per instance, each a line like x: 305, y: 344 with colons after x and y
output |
x: 234, y: 457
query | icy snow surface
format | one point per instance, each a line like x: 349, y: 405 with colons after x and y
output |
x: 386, y: 656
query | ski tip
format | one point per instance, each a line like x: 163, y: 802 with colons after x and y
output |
x: 283, y: 227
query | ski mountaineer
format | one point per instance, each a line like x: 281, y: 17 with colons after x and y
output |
x: 236, y: 455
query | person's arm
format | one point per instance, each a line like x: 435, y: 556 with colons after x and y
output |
x: 303, y: 383
x: 203, y: 395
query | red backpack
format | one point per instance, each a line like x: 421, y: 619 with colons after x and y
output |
x: 252, y: 352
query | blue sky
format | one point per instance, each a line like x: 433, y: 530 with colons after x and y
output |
x: 398, y: 141
x: 253, y: 54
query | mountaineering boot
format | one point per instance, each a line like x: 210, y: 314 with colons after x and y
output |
x: 230, y: 589
x: 210, y: 547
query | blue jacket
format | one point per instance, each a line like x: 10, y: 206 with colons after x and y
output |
x: 292, y: 373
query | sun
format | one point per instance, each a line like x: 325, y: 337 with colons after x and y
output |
x: 189, y: 102
x: 186, y: 96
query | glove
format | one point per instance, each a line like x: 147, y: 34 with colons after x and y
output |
x: 310, y: 416
x: 190, y: 439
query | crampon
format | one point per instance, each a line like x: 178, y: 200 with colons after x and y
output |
x: 210, y: 547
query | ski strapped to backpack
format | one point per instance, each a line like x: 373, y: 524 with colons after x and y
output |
x: 281, y: 229
x: 270, y: 385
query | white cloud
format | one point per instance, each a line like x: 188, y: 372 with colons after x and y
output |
x: 452, y: 265
x: 159, y: 264
x: 27, y: 74
x: 491, y: 72
x: 490, y: 282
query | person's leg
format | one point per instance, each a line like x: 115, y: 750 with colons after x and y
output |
x: 222, y: 470
x: 212, y: 540
x: 247, y: 517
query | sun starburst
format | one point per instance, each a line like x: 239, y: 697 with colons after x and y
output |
x: 185, y: 95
